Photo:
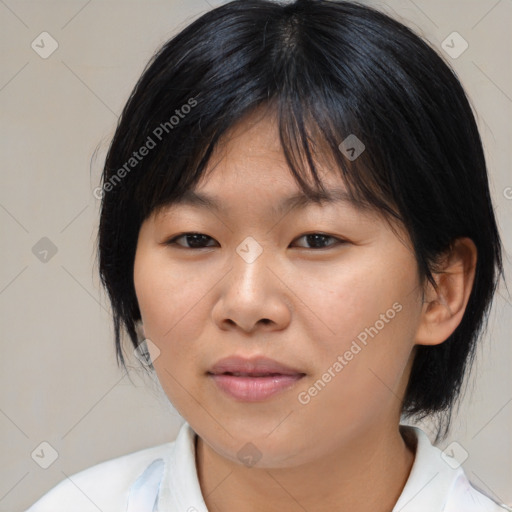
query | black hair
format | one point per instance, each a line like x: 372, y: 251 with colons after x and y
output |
x: 327, y: 70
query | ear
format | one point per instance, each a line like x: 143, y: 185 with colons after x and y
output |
x: 444, y: 308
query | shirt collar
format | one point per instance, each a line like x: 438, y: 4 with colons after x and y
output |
x: 431, y: 477
x: 180, y: 489
x: 426, y: 490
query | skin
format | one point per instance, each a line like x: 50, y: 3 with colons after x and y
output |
x: 302, y: 306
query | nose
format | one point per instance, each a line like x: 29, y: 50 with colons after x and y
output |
x: 252, y: 296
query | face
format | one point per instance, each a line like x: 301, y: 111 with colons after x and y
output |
x: 327, y: 290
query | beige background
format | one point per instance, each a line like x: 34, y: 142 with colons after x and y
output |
x: 59, y: 380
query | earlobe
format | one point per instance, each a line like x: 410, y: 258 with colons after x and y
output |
x: 444, y: 307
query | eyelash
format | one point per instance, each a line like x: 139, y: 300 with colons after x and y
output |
x: 173, y: 240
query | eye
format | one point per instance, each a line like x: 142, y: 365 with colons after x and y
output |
x: 318, y: 240
x: 194, y: 240
x: 200, y: 240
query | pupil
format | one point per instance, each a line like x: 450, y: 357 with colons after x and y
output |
x: 196, y: 240
x: 316, y: 239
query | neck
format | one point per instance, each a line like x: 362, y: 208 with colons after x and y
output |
x: 367, y: 474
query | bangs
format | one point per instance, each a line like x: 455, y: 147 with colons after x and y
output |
x: 308, y: 139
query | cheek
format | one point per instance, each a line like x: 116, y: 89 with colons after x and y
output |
x: 367, y: 313
x: 360, y: 365
x: 342, y: 301
x: 169, y: 301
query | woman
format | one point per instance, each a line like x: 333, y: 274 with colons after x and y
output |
x: 296, y: 225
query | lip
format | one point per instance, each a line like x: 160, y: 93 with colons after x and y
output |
x: 252, y: 366
x: 254, y: 379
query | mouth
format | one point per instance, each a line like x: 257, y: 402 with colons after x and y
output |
x: 253, y: 380
x: 253, y: 367
x: 250, y: 374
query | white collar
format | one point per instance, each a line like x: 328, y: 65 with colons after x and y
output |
x: 434, y: 483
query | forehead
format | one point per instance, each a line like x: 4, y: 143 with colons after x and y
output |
x: 279, y: 205
x: 248, y: 174
x: 249, y: 161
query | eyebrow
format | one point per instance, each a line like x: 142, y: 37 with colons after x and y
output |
x: 297, y: 201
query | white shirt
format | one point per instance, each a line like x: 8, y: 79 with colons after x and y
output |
x: 163, y: 478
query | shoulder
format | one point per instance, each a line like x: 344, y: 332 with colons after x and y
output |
x: 104, y: 486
